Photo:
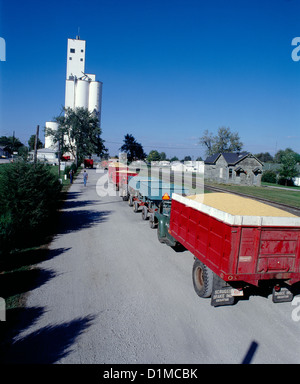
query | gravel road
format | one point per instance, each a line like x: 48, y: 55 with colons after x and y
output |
x: 111, y: 293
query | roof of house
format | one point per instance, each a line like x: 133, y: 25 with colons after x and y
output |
x: 231, y: 158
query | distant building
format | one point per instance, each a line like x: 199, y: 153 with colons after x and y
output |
x: 233, y: 168
x: 45, y: 155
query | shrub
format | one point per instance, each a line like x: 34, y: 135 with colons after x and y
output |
x: 284, y: 181
x: 29, y: 196
x: 69, y: 167
x: 269, y: 177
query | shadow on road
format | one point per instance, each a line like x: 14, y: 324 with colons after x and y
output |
x: 48, y: 344
x: 29, y: 257
x: 17, y: 282
x: 250, y: 353
x: 71, y: 204
x: 76, y: 220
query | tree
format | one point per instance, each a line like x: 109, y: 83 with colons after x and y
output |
x: 264, y: 157
x: 224, y: 141
x: 132, y: 148
x: 78, y: 133
x: 288, y: 169
x: 31, y: 142
x: 187, y: 158
x: 153, y: 156
x: 207, y: 141
x: 12, y: 143
x: 281, y: 153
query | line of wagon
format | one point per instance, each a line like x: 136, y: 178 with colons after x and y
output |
x: 239, y: 245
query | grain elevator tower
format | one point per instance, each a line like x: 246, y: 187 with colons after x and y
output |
x: 82, y: 89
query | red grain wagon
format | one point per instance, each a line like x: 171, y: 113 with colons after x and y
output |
x: 237, y: 242
x: 120, y: 178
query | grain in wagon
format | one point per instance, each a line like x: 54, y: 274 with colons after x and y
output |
x: 237, y: 205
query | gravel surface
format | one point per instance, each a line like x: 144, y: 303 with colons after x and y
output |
x: 111, y: 293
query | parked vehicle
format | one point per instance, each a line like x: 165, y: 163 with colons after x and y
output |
x: 88, y: 163
x: 237, y: 243
x: 148, y: 193
x: 120, y: 178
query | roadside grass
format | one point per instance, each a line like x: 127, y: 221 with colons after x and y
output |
x: 286, y: 195
x: 295, y: 187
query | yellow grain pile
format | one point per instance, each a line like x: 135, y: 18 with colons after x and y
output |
x: 236, y: 205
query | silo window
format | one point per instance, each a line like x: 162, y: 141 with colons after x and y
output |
x: 72, y: 50
x: 70, y: 58
x: 81, y: 59
x: 82, y: 50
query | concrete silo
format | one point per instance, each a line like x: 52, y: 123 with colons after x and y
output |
x: 95, y: 96
x: 82, y: 94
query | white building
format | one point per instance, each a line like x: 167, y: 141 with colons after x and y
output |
x: 82, y: 89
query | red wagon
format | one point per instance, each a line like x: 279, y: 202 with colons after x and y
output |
x: 237, y: 241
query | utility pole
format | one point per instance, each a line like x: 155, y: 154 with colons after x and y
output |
x: 59, y: 158
x: 36, y: 143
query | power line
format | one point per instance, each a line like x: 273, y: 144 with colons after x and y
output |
x: 154, y: 146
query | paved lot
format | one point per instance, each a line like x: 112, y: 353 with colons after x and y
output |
x: 111, y: 293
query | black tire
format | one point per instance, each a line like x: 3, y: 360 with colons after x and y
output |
x: 135, y: 206
x: 152, y: 221
x: 130, y: 201
x: 145, y: 213
x: 202, y: 279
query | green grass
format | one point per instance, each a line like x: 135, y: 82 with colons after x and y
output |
x: 284, y: 196
x: 280, y: 186
x: 65, y: 182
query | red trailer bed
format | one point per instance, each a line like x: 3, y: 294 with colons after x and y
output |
x: 238, y: 247
x: 224, y: 234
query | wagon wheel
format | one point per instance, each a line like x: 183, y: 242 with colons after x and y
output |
x: 130, y: 201
x: 152, y: 222
x: 202, y: 279
x: 145, y: 213
x: 135, y: 206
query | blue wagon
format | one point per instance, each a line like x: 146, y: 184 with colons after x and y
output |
x: 148, y: 193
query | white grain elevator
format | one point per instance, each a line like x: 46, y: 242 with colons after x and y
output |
x: 82, y: 89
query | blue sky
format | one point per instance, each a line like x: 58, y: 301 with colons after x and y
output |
x: 170, y: 69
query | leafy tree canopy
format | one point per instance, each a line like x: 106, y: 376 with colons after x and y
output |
x: 12, y: 143
x: 278, y: 158
x: 31, y: 142
x: 288, y: 168
x: 132, y: 148
x: 78, y: 133
x: 224, y: 141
